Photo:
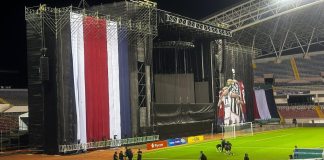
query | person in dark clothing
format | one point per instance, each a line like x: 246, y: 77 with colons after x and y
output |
x: 228, y: 148
x: 129, y: 154
x: 294, y: 121
x: 223, y: 144
x: 121, y: 155
x: 115, y: 156
x: 246, y: 157
x: 202, y: 156
x: 219, y: 147
x: 139, y: 154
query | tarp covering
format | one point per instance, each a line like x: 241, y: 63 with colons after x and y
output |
x: 202, y: 92
x: 308, y: 153
x: 51, y: 102
x: 262, y: 104
x: 169, y: 114
x: 174, y: 88
x: 255, y: 108
x: 23, y: 124
x: 35, y: 88
x: 62, y: 66
x: 183, y: 130
x: 271, y: 103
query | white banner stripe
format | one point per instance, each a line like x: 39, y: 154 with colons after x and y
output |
x: 262, y: 104
x: 78, y: 71
x: 113, y: 80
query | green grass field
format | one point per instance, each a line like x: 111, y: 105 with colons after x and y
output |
x: 270, y: 145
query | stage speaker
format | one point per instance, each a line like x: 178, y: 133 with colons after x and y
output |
x: 44, y: 68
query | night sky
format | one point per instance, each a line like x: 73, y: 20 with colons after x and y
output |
x: 13, y: 61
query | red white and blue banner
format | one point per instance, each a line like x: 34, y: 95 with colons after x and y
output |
x: 101, y: 80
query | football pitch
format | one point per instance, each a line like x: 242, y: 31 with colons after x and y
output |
x: 269, y: 145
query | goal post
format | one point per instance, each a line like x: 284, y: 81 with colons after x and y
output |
x: 235, y: 130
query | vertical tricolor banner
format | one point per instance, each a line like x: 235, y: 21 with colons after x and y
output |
x: 100, y: 60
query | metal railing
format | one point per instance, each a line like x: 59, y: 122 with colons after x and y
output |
x: 107, y: 144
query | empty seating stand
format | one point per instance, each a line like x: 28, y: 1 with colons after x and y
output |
x: 290, y: 112
x: 8, y: 123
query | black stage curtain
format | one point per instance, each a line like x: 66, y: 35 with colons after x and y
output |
x: 173, y: 120
x: 167, y: 114
x: 67, y: 119
x: 50, y: 96
x: 51, y: 102
x: 35, y: 89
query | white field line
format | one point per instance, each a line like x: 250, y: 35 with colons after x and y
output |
x: 277, y: 130
x: 273, y: 137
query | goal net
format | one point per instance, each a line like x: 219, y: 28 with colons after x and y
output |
x: 239, y: 129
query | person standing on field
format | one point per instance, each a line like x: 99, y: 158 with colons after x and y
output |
x: 202, y: 156
x: 139, y: 154
x: 121, y: 155
x: 246, y: 157
x: 115, y: 156
x: 223, y: 144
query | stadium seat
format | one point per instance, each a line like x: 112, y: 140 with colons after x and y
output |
x: 306, y: 111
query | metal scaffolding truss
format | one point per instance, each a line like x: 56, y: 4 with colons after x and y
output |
x: 191, y: 26
x: 174, y: 44
x: 275, y: 26
x: 135, y: 16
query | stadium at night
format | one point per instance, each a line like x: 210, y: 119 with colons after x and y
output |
x: 130, y: 80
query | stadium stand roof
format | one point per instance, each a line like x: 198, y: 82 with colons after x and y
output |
x: 16, y: 109
x: 4, y: 107
x: 308, y: 68
x: 277, y: 27
x: 15, y: 97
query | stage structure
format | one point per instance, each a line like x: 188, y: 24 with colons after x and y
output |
x: 89, y: 73
x: 185, y: 72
